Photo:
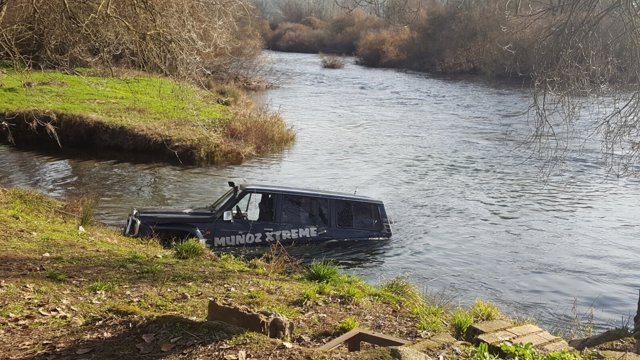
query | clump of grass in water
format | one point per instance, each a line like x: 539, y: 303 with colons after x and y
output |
x: 189, y: 249
x: 332, y: 62
x: 346, y: 325
x: 322, y: 271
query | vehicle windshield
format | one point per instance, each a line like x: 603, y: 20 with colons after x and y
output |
x: 223, y: 199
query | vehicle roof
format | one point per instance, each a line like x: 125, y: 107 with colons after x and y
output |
x: 311, y: 192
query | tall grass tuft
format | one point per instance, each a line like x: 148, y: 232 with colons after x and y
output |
x: 346, y: 325
x: 430, y: 318
x: 402, y: 291
x: 322, y: 271
x: 189, y: 249
x: 462, y: 320
x: 87, y: 211
x: 484, y: 311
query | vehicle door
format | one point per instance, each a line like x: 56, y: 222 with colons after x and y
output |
x: 303, y: 219
x: 245, y: 221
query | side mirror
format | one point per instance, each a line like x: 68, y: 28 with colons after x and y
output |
x: 227, y: 216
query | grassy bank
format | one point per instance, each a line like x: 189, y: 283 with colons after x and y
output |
x: 135, y: 114
x: 70, y: 288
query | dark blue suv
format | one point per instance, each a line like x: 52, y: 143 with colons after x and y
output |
x: 249, y: 215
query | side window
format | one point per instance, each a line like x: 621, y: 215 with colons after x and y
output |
x: 255, y: 207
x: 303, y: 210
x: 359, y: 215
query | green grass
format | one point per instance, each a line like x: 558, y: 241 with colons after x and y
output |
x: 101, y: 286
x: 137, y: 101
x: 461, y: 322
x: 347, y: 324
x: 484, y: 311
x: 56, y: 275
x: 430, y: 318
x: 322, y: 271
x: 189, y: 249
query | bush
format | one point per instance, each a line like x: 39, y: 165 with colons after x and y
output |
x: 332, y: 62
x: 384, y: 48
x: 297, y: 37
x: 189, y: 249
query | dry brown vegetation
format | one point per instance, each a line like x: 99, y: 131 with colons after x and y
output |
x: 332, y: 62
x: 338, y: 35
x: 184, y: 39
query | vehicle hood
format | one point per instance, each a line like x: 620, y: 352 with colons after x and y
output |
x: 165, y: 216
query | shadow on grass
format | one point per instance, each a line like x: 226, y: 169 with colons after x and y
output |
x: 157, y: 338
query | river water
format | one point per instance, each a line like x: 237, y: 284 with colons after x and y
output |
x: 474, y: 217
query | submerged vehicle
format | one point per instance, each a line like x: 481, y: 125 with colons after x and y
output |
x: 249, y: 215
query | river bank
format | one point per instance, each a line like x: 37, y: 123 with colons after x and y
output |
x: 71, y: 287
x: 135, y: 116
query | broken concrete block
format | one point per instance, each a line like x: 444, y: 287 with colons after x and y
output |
x: 271, y: 324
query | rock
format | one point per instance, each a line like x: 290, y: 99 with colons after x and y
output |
x: 426, y: 345
x: 304, y: 339
x: 286, y: 345
x: 83, y: 351
x: 167, y: 347
x: 406, y: 353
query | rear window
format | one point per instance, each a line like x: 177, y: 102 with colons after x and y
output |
x: 357, y: 215
x: 305, y: 210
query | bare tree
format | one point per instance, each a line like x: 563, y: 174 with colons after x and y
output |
x: 587, y: 78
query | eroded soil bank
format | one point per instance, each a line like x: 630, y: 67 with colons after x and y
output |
x: 136, y: 117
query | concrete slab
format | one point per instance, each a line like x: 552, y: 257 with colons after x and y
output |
x: 524, y: 330
x: 497, y: 337
x: 443, y: 338
x: 491, y: 326
x: 427, y: 345
x: 534, y: 339
x: 557, y: 345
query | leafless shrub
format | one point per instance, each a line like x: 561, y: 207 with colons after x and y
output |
x: 298, y: 38
x: 386, y: 48
x: 184, y: 39
x: 332, y: 61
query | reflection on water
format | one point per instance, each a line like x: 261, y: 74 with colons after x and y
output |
x: 472, y: 213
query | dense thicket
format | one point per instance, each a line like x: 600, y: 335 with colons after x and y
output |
x: 183, y: 39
